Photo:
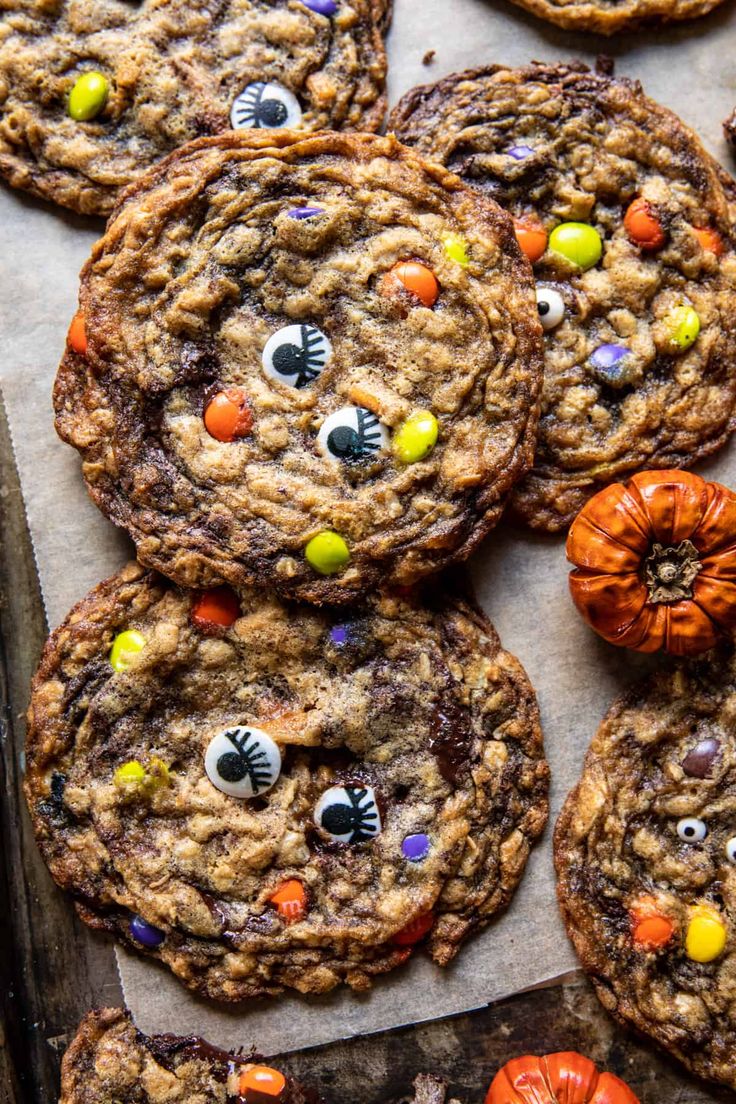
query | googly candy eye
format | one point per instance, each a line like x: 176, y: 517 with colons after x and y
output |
x: 691, y: 829
x: 242, y: 762
x: 352, y: 434
x: 731, y: 849
x: 348, y: 813
x: 296, y: 355
x: 262, y: 105
x: 551, y: 307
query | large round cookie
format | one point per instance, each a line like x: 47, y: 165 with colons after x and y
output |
x: 645, y: 850
x: 384, y: 768
x: 348, y: 305
x: 111, y: 1062
x: 176, y: 70
x: 629, y: 382
x: 613, y: 16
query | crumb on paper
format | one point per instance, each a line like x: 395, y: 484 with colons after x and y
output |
x: 605, y: 65
x: 429, y: 57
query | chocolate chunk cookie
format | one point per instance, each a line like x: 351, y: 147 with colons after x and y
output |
x: 95, y: 91
x: 626, y: 219
x: 266, y: 796
x: 110, y: 1062
x: 645, y: 851
x: 611, y: 16
x: 311, y: 364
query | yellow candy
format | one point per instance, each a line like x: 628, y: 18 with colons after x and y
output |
x: 456, y: 248
x: 126, y: 645
x: 88, y: 96
x: 158, y: 774
x: 416, y: 437
x: 706, y: 934
x: 130, y: 776
x: 684, y: 327
x: 327, y: 552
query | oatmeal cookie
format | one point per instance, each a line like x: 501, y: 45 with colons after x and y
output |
x: 263, y: 795
x: 645, y: 850
x: 306, y: 363
x: 93, y: 92
x: 627, y: 220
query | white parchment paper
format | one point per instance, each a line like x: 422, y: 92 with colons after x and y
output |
x: 520, y: 579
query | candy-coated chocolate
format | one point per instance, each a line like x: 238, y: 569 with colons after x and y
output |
x: 327, y: 552
x: 683, y: 326
x: 262, y: 105
x: 607, y: 362
x: 414, y: 931
x: 146, y: 934
x: 652, y: 932
x: 416, y: 437
x: 416, y: 278
x: 643, y: 226
x: 456, y: 248
x: 228, y: 416
x: 130, y: 775
x: 243, y: 761
x: 322, y: 7
x: 125, y: 646
x: 77, y: 336
x: 290, y: 900
x: 158, y: 775
x: 305, y: 212
x: 261, y: 1085
x: 578, y: 243
x: 296, y: 355
x: 340, y: 635
x: 415, y: 847
x: 216, y: 608
x: 348, y: 814
x: 706, y: 934
x: 710, y: 240
x: 551, y: 307
x: 699, y: 760
x: 519, y: 153
x: 532, y: 238
x: 88, y: 96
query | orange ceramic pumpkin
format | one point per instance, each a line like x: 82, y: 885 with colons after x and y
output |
x: 564, y: 1078
x: 655, y: 562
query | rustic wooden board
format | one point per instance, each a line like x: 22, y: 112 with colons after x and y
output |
x: 53, y: 969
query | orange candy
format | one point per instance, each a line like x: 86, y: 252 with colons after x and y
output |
x: 643, y: 226
x: 77, y: 336
x: 651, y: 929
x: 532, y: 238
x: 415, y: 278
x: 414, y: 931
x: 228, y: 416
x: 710, y: 240
x: 290, y: 900
x: 215, y: 608
x: 261, y: 1085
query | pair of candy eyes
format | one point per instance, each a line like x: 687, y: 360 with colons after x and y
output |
x: 694, y: 830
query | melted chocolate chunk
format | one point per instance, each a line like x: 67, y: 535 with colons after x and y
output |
x: 699, y: 760
x: 450, y: 737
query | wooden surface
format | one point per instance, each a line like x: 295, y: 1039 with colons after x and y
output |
x: 53, y: 969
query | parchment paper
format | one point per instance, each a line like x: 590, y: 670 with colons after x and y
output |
x: 521, y: 579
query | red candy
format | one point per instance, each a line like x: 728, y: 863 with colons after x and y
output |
x: 710, y: 240
x: 77, y: 336
x: 261, y: 1085
x: 414, y: 931
x: 228, y: 416
x: 532, y: 238
x: 415, y: 278
x: 290, y: 900
x: 643, y: 226
x: 215, y: 608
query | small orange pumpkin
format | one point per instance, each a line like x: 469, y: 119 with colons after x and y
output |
x: 563, y: 1078
x: 655, y: 562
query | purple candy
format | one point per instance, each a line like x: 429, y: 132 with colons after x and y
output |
x: 145, y: 933
x: 607, y: 361
x: 339, y: 634
x: 415, y: 847
x: 305, y: 212
x: 520, y: 152
x: 322, y: 7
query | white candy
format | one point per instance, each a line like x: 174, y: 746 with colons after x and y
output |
x: 242, y: 761
x: 296, y: 355
x: 352, y: 433
x: 731, y: 849
x: 348, y: 813
x: 551, y: 307
x: 691, y: 829
x: 262, y: 105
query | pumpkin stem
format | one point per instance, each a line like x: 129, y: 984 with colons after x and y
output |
x: 670, y: 572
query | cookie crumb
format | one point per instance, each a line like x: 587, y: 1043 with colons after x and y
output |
x: 605, y: 65
x: 429, y: 57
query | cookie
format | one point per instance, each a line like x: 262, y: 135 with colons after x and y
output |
x: 609, y: 17
x: 627, y: 220
x: 264, y: 796
x: 645, y: 849
x: 305, y: 363
x: 96, y: 91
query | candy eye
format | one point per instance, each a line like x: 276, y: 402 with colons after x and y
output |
x: 731, y: 849
x: 691, y: 830
x: 296, y: 355
x: 348, y: 813
x: 262, y: 105
x: 352, y: 434
x: 551, y: 307
x: 242, y: 762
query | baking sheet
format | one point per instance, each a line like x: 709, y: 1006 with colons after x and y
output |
x: 520, y: 579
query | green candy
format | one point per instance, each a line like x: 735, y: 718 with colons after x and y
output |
x: 88, y: 96
x: 126, y: 645
x: 684, y: 327
x: 456, y: 248
x: 578, y: 243
x: 416, y: 437
x: 327, y: 552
